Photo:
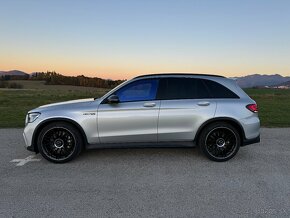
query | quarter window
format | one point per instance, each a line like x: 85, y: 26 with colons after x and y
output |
x: 219, y: 91
x: 140, y: 90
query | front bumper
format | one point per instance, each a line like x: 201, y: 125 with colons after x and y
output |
x: 28, y: 136
x: 28, y: 145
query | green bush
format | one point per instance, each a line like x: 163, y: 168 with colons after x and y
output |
x: 15, y: 85
x: 3, y: 84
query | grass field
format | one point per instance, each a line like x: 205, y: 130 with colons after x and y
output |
x: 274, y: 105
x: 14, y: 104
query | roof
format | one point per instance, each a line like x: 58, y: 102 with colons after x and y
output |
x: 177, y: 74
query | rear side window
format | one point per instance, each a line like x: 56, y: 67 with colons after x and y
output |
x: 219, y: 91
x: 182, y: 88
x: 140, y: 90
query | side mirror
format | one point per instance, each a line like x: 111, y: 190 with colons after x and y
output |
x: 113, y: 99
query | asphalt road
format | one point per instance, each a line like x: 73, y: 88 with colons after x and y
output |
x: 166, y: 182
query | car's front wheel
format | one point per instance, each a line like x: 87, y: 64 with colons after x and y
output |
x: 59, y: 142
x: 219, y: 141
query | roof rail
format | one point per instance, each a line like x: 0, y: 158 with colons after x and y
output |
x: 178, y: 74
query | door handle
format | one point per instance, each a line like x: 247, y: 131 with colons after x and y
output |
x: 203, y: 103
x: 149, y: 104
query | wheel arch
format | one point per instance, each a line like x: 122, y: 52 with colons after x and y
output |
x: 231, y: 121
x: 51, y: 120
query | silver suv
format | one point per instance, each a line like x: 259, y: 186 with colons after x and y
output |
x: 162, y: 110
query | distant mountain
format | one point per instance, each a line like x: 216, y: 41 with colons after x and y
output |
x: 283, y: 84
x: 13, y: 73
x: 258, y: 80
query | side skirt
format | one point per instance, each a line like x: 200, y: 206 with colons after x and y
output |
x: 143, y: 145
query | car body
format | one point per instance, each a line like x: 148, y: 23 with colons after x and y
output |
x: 150, y: 110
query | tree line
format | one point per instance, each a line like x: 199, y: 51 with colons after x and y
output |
x: 53, y: 78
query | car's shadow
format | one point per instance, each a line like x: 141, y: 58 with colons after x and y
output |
x: 171, y: 153
x: 192, y: 152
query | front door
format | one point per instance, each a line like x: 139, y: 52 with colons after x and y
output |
x: 134, y: 118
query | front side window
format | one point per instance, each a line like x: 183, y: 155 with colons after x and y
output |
x: 141, y: 90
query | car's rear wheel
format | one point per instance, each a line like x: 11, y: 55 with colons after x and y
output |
x: 59, y: 142
x: 220, y: 141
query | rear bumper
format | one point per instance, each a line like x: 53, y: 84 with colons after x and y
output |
x: 251, y: 141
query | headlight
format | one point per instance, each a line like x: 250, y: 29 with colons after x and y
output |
x: 31, y: 117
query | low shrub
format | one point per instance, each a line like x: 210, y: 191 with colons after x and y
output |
x: 12, y: 85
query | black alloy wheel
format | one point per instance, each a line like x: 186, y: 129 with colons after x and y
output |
x: 220, y: 141
x: 59, y: 142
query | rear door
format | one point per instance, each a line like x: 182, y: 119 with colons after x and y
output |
x: 185, y: 104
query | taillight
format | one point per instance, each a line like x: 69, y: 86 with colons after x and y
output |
x: 253, y: 107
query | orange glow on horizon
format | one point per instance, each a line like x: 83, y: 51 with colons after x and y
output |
x: 115, y: 69
x: 124, y: 74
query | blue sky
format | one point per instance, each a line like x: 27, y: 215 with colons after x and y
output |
x: 121, y: 39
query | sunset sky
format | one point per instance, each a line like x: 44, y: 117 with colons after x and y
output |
x: 124, y: 38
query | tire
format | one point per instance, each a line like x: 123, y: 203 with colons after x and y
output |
x: 219, y: 141
x: 59, y: 142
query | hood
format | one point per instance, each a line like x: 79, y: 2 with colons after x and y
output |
x: 65, y: 103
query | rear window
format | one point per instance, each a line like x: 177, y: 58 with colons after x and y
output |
x: 182, y: 88
x: 192, y: 88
